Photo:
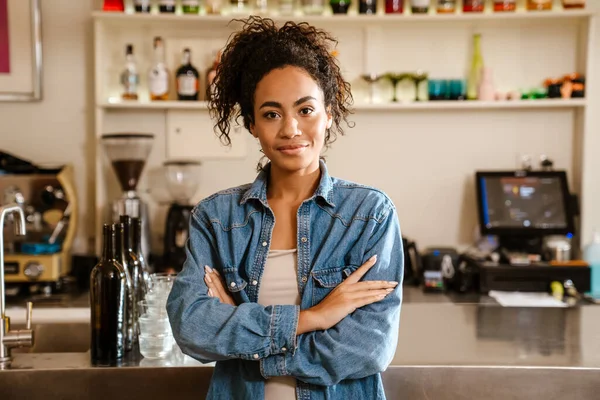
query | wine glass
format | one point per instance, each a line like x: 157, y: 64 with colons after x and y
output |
x: 371, y: 79
x: 396, y: 78
x: 417, y: 78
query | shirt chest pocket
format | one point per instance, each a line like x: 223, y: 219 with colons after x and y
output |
x: 325, y: 280
x: 235, y: 285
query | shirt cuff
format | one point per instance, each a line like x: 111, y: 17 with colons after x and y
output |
x: 284, y: 325
x: 273, y: 366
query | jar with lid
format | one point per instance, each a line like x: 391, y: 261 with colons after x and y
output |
x: 446, y: 6
x: 505, y: 5
x: 535, y: 5
x: 473, y: 5
x: 573, y: 4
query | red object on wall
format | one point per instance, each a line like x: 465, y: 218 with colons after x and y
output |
x: 4, y: 49
x: 113, y: 5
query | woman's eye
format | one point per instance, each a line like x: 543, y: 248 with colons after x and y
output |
x: 306, y: 111
x: 270, y: 115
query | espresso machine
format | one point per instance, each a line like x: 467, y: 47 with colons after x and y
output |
x: 182, y: 179
x: 40, y: 260
x: 128, y: 153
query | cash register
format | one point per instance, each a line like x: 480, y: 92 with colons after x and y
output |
x: 521, y: 209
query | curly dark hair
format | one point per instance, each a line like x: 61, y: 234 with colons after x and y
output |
x: 259, y: 48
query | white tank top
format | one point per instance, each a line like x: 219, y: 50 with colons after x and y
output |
x: 279, y: 286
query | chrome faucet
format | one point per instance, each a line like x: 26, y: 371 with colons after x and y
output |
x: 20, y: 338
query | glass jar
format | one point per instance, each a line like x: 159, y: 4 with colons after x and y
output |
x: 535, y: 5
x: 505, y: 5
x: 313, y: 7
x: 473, y: 5
x: 446, y: 6
x: 573, y: 4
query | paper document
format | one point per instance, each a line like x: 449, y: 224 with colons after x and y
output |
x: 525, y: 299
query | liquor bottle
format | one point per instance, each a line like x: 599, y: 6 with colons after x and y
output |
x: 367, y: 7
x: 136, y: 249
x: 166, y: 6
x: 542, y: 5
x: 394, y: 6
x: 142, y: 6
x: 130, y: 77
x: 190, y: 6
x: 113, y: 5
x: 108, y: 297
x: 476, y: 67
x: 446, y: 6
x: 568, y: 4
x: 419, y: 6
x: 159, y: 75
x: 130, y: 304
x: 134, y: 266
x: 187, y: 78
x: 473, y: 5
x: 505, y: 5
x: 211, y: 74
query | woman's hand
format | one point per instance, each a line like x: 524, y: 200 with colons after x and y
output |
x: 344, y: 299
x: 216, y: 286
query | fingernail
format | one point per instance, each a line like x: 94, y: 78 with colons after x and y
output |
x: 393, y: 283
x: 389, y: 290
x: 381, y: 296
x: 207, y: 268
x: 374, y: 258
x: 210, y: 292
x: 207, y: 277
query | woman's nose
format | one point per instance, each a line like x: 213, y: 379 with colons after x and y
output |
x: 290, y: 127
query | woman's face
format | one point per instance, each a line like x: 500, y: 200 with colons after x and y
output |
x: 290, y: 119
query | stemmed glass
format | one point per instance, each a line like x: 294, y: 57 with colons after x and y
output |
x: 396, y: 78
x: 371, y: 79
x: 417, y: 78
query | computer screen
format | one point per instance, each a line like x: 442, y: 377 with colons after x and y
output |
x: 518, y: 202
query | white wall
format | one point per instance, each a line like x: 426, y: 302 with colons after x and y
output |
x: 424, y: 160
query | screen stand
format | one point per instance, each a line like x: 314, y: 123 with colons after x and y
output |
x: 509, y: 245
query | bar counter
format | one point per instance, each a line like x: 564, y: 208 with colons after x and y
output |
x: 465, y: 347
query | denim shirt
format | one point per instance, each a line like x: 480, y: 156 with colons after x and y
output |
x: 339, y: 228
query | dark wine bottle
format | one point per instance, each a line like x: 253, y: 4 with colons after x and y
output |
x: 108, y: 297
x: 130, y: 304
x: 136, y: 249
x: 188, y: 78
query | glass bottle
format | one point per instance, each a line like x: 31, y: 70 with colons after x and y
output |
x: 166, y: 6
x: 158, y: 78
x: 313, y: 7
x: 135, y: 268
x: 142, y: 6
x: 446, y: 6
x: 419, y: 6
x: 394, y: 6
x: 130, y: 77
x: 108, y: 298
x: 131, y: 333
x: 534, y: 5
x: 136, y: 250
x: 476, y: 68
x: 505, y: 5
x: 367, y: 7
x: 213, y: 7
x: 568, y: 4
x: 188, y: 78
x: 340, y: 6
x: 190, y: 6
x: 473, y: 5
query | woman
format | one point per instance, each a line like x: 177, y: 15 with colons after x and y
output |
x: 292, y: 282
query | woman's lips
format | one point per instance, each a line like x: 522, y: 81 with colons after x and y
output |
x: 292, y: 150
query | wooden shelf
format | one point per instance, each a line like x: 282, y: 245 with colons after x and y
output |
x: 430, y: 105
x: 349, y: 19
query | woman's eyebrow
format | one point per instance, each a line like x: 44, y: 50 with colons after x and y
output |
x: 278, y: 105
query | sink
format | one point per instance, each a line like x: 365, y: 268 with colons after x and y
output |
x: 58, y: 338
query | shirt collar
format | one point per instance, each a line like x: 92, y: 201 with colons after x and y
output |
x: 258, y: 189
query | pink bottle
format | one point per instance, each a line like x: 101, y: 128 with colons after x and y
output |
x: 487, y: 91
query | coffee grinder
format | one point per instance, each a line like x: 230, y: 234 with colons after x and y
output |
x: 182, y: 182
x: 128, y: 153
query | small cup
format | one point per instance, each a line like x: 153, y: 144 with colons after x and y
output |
x: 156, y: 346
x: 438, y: 89
x: 147, y: 308
x: 154, y: 325
x: 456, y: 89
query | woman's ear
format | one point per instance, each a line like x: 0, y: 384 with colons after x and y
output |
x: 329, y: 118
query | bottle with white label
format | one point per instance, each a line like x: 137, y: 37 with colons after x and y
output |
x: 130, y: 78
x: 190, y: 6
x: 188, y: 78
x: 158, y: 78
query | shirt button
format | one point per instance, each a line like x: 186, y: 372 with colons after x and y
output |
x: 254, y: 283
x: 304, y: 279
x: 304, y: 240
x: 283, y: 349
x: 255, y: 356
x: 264, y: 244
x: 232, y: 284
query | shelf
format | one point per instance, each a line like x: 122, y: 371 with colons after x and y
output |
x: 430, y: 105
x: 349, y: 19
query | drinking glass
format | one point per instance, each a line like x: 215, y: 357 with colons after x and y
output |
x: 371, y: 79
x: 396, y: 78
x: 417, y: 78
